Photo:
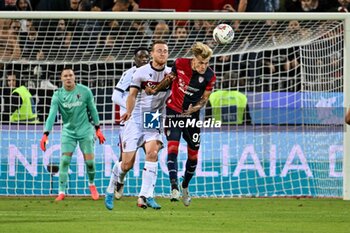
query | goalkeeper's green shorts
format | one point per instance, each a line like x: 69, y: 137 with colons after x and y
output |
x: 86, y: 144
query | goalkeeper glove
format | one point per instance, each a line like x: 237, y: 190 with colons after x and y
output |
x: 44, y: 141
x: 100, y: 135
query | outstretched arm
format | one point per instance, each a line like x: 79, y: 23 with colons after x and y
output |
x: 200, y: 104
x: 163, y: 85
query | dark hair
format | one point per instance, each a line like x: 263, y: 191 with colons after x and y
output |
x: 140, y: 49
x: 158, y: 42
x: 85, y: 5
x: 228, y: 80
x: 29, y: 7
x: 67, y: 68
x: 11, y: 72
x: 180, y: 26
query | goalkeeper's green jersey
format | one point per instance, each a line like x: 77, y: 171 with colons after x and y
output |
x: 76, y: 107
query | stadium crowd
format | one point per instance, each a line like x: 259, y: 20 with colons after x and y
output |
x: 180, y: 5
x: 111, y: 41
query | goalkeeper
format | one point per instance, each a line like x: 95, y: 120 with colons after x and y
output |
x: 75, y: 103
x: 191, y: 87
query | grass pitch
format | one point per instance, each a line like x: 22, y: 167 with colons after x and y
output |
x: 252, y: 215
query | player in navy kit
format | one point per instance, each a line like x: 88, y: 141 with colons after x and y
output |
x: 192, y: 82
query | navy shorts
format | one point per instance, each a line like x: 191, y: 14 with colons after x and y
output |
x: 177, y: 124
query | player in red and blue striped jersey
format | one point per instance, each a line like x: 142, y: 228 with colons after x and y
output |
x: 191, y: 85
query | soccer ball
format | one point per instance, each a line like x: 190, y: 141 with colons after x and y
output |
x: 223, y: 34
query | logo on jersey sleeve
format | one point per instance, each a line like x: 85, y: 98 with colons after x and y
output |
x: 151, y: 120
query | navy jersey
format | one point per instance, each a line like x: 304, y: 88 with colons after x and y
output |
x: 189, y: 85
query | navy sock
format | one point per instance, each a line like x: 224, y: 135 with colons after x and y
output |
x: 190, y: 171
x: 172, y: 168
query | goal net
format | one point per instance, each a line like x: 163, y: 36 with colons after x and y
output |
x: 279, y: 95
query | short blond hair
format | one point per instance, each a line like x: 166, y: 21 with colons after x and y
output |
x: 202, y: 50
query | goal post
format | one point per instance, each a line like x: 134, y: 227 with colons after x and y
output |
x: 346, y: 140
x: 294, y: 78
